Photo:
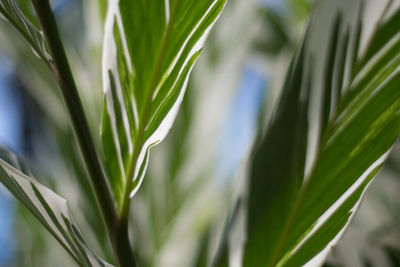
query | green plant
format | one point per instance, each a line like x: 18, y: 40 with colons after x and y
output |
x: 303, y: 183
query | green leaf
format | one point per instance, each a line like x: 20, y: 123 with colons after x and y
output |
x: 294, y: 219
x: 149, y: 50
x: 48, y: 207
x: 280, y: 156
x: 385, y: 31
x: 12, y: 12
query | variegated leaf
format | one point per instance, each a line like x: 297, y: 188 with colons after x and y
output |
x: 295, y: 218
x: 149, y: 50
x: 11, y: 11
x: 296, y: 215
x: 48, y: 207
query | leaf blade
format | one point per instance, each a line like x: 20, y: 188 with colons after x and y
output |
x: 12, y: 12
x: 48, y: 207
x: 362, y: 123
x: 150, y: 49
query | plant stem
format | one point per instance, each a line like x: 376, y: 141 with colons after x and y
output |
x: 117, y: 231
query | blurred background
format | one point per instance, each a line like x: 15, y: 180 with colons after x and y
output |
x: 195, y: 173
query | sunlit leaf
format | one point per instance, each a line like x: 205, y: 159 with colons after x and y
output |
x: 48, y: 207
x: 11, y: 11
x: 294, y: 219
x: 149, y: 50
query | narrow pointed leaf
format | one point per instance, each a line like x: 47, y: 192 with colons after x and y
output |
x: 277, y: 168
x: 361, y: 121
x: 328, y: 78
x: 357, y: 40
x: 385, y: 31
x: 11, y: 11
x: 149, y: 50
x: 48, y: 207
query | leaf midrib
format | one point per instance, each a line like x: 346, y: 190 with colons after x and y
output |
x: 146, y: 111
x: 294, y: 211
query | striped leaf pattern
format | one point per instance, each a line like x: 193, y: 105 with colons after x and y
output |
x: 295, y: 219
x: 12, y: 13
x: 149, y: 50
x: 48, y: 207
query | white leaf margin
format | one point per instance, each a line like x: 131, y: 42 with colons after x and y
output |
x: 109, y: 64
x: 23, y: 188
